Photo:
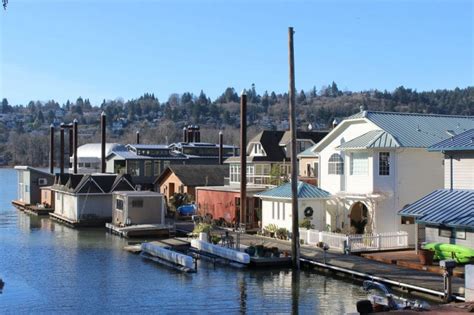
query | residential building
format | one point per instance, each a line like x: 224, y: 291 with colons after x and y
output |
x: 375, y: 163
x: 86, y: 199
x: 447, y: 215
x: 89, y: 155
x: 185, y: 178
x: 277, y: 206
x: 30, y: 182
x: 308, y: 166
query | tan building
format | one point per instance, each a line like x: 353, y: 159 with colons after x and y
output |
x: 185, y: 178
x: 137, y: 207
x: 308, y: 166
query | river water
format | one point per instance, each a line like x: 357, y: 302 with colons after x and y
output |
x: 50, y: 268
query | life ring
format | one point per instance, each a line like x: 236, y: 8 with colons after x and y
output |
x: 308, y: 212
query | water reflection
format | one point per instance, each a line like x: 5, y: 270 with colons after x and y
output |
x: 295, y: 291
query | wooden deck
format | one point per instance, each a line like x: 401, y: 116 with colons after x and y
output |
x: 409, y: 259
x: 31, y: 209
x: 141, y: 230
x: 359, y: 267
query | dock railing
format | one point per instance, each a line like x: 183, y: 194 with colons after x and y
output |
x: 356, y: 242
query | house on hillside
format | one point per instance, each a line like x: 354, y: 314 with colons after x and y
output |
x: 86, y: 199
x: 277, y: 209
x: 447, y: 215
x: 185, y: 178
x: 375, y: 163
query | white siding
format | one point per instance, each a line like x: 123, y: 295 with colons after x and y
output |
x: 432, y: 235
x: 463, y: 171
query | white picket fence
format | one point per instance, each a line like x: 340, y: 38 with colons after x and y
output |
x: 356, y: 242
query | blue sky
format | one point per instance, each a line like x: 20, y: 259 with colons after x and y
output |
x: 105, y: 49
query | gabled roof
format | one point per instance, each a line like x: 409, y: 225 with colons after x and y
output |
x: 417, y: 130
x: 196, y: 175
x: 314, y: 136
x: 370, y: 140
x: 305, y: 191
x: 33, y: 169
x: 270, y: 141
x: 93, y: 183
x: 461, y: 142
x: 454, y: 208
x: 308, y: 152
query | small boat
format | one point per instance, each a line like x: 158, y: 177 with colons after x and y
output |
x: 228, y: 254
x: 381, y: 300
x: 462, y: 254
x: 168, y: 257
x: 187, y: 210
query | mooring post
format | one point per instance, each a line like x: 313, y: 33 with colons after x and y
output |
x: 221, y: 148
x: 295, y: 244
x: 103, y: 137
x: 61, y: 149
x: 138, y: 137
x: 75, y: 144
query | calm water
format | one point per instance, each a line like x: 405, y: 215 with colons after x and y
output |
x: 48, y: 268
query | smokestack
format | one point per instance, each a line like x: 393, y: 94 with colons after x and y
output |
x: 190, y: 133
x: 61, y: 147
x: 71, y: 136
x: 75, y: 144
x: 335, y: 123
x: 221, y: 148
x: 197, y: 134
x: 234, y: 150
x: 185, y: 134
x: 243, y: 158
x: 138, y: 137
x: 51, y: 149
x: 102, y: 154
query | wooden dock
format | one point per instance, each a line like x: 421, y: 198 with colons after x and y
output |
x: 37, y: 210
x: 397, y: 277
x: 141, y: 230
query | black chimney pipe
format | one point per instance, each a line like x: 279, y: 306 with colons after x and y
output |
x: 197, y: 136
x: 61, y: 147
x: 103, y: 135
x: 75, y: 144
x: 138, y: 137
x: 221, y: 148
x: 243, y: 159
x: 185, y: 134
x: 71, y: 137
x: 51, y: 149
x: 190, y: 133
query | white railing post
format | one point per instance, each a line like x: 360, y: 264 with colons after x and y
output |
x: 379, y: 239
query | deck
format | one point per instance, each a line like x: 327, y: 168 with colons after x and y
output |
x: 398, y: 277
x: 141, y: 230
x: 31, y: 209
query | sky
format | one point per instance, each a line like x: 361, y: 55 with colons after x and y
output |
x: 109, y: 49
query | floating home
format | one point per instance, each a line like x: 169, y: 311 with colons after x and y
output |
x: 86, y: 199
x: 30, y: 182
x: 138, y: 207
x: 447, y: 215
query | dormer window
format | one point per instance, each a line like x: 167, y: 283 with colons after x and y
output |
x: 257, y: 149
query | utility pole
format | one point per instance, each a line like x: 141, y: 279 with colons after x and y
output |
x: 243, y: 158
x: 295, y: 237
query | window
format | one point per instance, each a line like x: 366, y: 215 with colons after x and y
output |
x: 359, y: 163
x: 273, y: 209
x: 408, y: 220
x: 137, y: 203
x: 134, y: 168
x: 278, y: 211
x: 384, y: 163
x: 119, y: 204
x: 235, y: 173
x: 156, y: 168
x: 27, y: 188
x: 283, y: 211
x: 316, y: 169
x: 452, y: 233
x: 336, y: 165
x: 147, y: 168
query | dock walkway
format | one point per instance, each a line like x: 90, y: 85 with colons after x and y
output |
x: 396, y: 276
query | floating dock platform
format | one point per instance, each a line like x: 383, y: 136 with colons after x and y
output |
x: 32, y: 209
x: 141, y: 230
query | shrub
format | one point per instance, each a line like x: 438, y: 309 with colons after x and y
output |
x: 282, y: 233
x: 306, y: 223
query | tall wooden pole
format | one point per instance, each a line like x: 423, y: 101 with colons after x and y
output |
x: 51, y: 149
x: 295, y: 237
x: 61, y: 149
x: 221, y: 148
x: 75, y: 144
x: 138, y: 137
x: 103, y: 137
x: 71, y: 144
x: 243, y: 158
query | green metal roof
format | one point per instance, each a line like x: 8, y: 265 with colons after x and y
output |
x: 370, y: 140
x: 308, y: 152
x: 417, y: 130
x: 460, y: 142
x: 305, y: 191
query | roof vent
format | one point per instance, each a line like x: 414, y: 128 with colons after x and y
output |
x: 450, y: 132
x: 362, y: 108
x: 418, y: 128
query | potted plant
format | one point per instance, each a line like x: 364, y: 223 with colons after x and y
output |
x: 425, y: 256
x: 259, y: 250
x: 215, y: 239
x: 282, y: 234
x: 250, y: 250
x: 271, y: 228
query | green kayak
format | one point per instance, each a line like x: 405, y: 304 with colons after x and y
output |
x: 462, y: 254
